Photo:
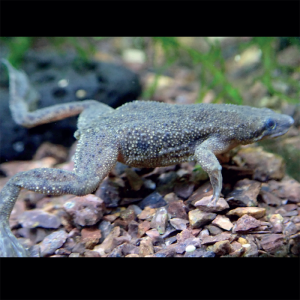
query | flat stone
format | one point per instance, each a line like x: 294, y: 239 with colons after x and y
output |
x: 52, y: 242
x: 203, y: 191
x: 176, y: 209
x: 199, y: 218
x: 290, y: 229
x: 133, y: 228
x: 272, y: 243
x: 166, y: 252
x: 184, y: 189
x: 109, y: 192
x: 246, y: 223
x: 245, y: 193
x: 90, y: 237
x: 213, y: 230
x: 128, y: 214
x: 108, y: 244
x: 160, y: 220
x: 222, y: 222
x: 184, y: 235
x: 86, y: 210
x: 286, y: 189
x: 203, y: 204
x: 155, y: 237
x: 179, y: 224
x: 256, y: 212
x: 38, y: 218
x: 270, y: 199
x: 217, y: 238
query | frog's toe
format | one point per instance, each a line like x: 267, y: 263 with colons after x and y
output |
x: 9, y: 244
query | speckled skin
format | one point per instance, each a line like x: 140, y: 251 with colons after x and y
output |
x: 140, y: 134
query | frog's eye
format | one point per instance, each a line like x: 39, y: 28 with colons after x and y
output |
x: 270, y: 124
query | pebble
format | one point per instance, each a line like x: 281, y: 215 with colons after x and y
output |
x: 52, y: 242
x: 128, y: 214
x: 86, y: 210
x: 245, y: 193
x: 203, y: 204
x: 199, y: 218
x: 277, y: 221
x: 109, y: 192
x: 90, y: 237
x: 256, y: 212
x: 190, y: 248
x: 171, y: 197
x: 179, y: 224
x: 155, y: 237
x: 133, y: 228
x: 147, y: 213
x: 90, y: 253
x: 221, y: 248
x: 176, y: 209
x: 160, y: 220
x: 246, y: 223
x: 146, y: 247
x: 272, y: 243
x: 270, y: 199
x: 213, y: 230
x: 222, y: 222
x: 242, y: 241
x: 105, y: 228
x: 135, y: 181
x: 154, y: 200
x: 290, y: 229
x: 132, y: 255
x: 108, y: 244
x: 143, y: 227
x: 184, y: 189
x: 217, y: 238
x: 38, y: 218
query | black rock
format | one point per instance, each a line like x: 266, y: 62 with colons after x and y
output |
x: 106, y: 82
x: 154, y: 200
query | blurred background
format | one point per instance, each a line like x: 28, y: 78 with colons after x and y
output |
x: 256, y: 71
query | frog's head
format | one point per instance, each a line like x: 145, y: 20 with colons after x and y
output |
x: 265, y: 123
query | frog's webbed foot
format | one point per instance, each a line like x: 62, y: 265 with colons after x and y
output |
x: 9, y: 244
x: 216, y: 181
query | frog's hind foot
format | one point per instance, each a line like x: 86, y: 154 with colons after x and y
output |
x: 9, y: 244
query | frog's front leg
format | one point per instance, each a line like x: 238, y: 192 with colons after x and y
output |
x: 83, y: 180
x: 205, y: 155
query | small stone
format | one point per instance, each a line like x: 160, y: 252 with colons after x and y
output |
x: 217, y: 238
x: 132, y: 255
x: 290, y: 229
x: 251, y: 250
x: 236, y: 246
x: 133, y: 228
x: 134, y: 179
x: 204, y: 233
x: 245, y: 193
x: 180, y: 247
x: 38, y: 218
x: 222, y: 248
x: 146, y: 247
x: 170, y: 197
x: 190, y: 248
x: 222, y: 222
x: 255, y: 212
x: 270, y: 199
x: 74, y: 255
x: 155, y: 237
x: 121, y: 223
x: 63, y: 251
x: 277, y: 221
x: 160, y: 220
x: 147, y: 213
x: 86, y: 210
x: 184, y: 235
x: 184, y: 189
x: 199, y: 218
x: 142, y: 228
x: 179, y: 224
x: 203, y: 191
x: 129, y: 249
x: 108, y: 244
x: 52, y: 242
x: 213, y: 230
x: 237, y: 253
x: 79, y: 248
x: 106, y: 228
x: 128, y: 214
x: 154, y: 200
x: 246, y: 223
x: 90, y: 237
x: 109, y: 192
x: 272, y: 243
x: 242, y: 241
x: 170, y: 240
x: 176, y: 209
x: 203, y: 204
x: 90, y: 253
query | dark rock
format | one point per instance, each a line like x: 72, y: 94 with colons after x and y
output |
x: 213, y: 230
x: 154, y: 200
x: 128, y: 214
x: 270, y: 199
x: 106, y: 82
x: 105, y: 228
x: 86, y: 210
x: 176, y: 209
x: 286, y: 189
x: 290, y: 229
x: 79, y: 248
x: 63, y: 251
x: 133, y: 229
x: 170, y: 240
x: 272, y: 243
x: 121, y: 223
x: 129, y: 249
x: 109, y: 192
x: 166, y: 252
x: 184, y: 189
x: 245, y: 193
x: 134, y: 179
x: 39, y: 218
x: 52, y: 242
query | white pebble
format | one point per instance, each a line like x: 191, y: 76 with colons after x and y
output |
x: 190, y: 248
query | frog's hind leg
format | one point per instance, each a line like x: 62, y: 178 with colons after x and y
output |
x: 22, y: 94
